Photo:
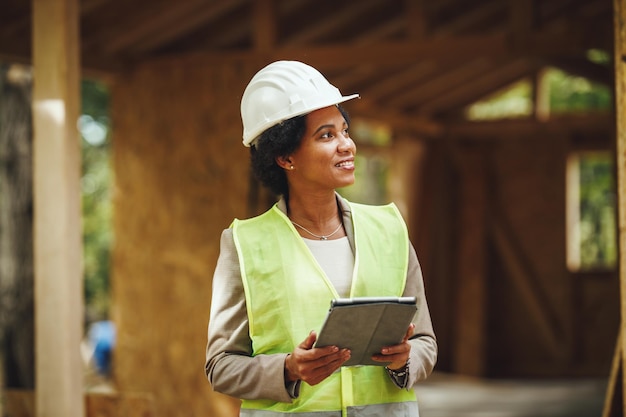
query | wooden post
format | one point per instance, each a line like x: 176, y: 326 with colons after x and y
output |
x: 57, y: 217
x: 620, y: 108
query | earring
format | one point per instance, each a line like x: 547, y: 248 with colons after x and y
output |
x: 290, y: 166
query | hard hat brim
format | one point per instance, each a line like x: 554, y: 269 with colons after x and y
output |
x: 250, y: 138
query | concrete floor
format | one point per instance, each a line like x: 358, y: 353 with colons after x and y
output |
x: 452, y: 396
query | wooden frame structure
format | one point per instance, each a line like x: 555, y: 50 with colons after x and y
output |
x: 420, y: 98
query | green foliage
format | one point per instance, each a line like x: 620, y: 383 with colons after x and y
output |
x: 570, y: 93
x: 96, y: 197
x: 514, y: 101
x: 598, y: 238
x: 567, y: 94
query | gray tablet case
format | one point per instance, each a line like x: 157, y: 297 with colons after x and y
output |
x: 365, y: 325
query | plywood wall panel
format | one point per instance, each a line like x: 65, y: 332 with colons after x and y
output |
x: 181, y: 175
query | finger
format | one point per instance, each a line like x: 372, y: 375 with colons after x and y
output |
x: 309, y: 341
x: 315, y: 353
x: 325, y: 367
x: 409, y: 332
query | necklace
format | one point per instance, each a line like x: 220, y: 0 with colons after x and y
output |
x: 320, y: 237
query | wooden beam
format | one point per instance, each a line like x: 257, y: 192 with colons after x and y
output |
x: 416, y: 21
x: 583, y: 67
x: 402, y: 79
x: 515, y: 128
x: 521, y: 17
x: 342, y: 56
x: 264, y: 23
x: 489, y: 82
x: 441, y: 83
x: 161, y: 23
x: 384, y: 29
x: 57, y: 209
x: 184, y: 24
x: 331, y: 22
x: 613, y: 398
x: 471, y: 20
x: 421, y: 127
x: 379, y: 53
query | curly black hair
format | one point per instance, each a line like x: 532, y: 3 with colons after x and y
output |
x: 280, y: 140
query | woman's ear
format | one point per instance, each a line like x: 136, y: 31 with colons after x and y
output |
x: 284, y: 162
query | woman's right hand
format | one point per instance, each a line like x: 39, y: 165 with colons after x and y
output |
x: 313, y: 365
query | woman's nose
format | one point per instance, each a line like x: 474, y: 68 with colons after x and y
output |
x: 346, y: 143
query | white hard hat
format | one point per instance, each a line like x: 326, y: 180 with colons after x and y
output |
x: 282, y: 90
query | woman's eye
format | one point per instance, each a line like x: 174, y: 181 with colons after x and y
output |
x: 326, y: 135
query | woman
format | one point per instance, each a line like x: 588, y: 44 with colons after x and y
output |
x: 277, y: 272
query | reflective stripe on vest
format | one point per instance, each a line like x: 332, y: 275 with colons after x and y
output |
x: 405, y: 409
x: 288, y: 295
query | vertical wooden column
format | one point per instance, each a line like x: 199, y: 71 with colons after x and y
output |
x: 57, y: 217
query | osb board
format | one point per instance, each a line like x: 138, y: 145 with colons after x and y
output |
x: 181, y: 175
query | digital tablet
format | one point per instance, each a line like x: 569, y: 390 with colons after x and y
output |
x: 365, y: 325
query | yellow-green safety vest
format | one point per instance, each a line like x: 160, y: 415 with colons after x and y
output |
x: 288, y: 295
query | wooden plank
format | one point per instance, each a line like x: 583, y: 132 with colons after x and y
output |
x: 57, y: 209
x: 613, y: 397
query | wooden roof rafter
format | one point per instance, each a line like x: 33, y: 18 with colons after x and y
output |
x: 405, y: 55
x: 442, y: 82
x: 331, y: 22
x: 470, y: 20
x: 500, y: 76
x: 191, y: 20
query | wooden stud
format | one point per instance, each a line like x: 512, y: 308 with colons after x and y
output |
x: 57, y: 216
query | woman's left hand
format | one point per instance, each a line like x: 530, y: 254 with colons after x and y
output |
x: 398, y: 354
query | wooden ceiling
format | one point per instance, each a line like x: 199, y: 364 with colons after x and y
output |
x: 415, y: 62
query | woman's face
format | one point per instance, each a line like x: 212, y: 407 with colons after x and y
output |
x: 325, y: 158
